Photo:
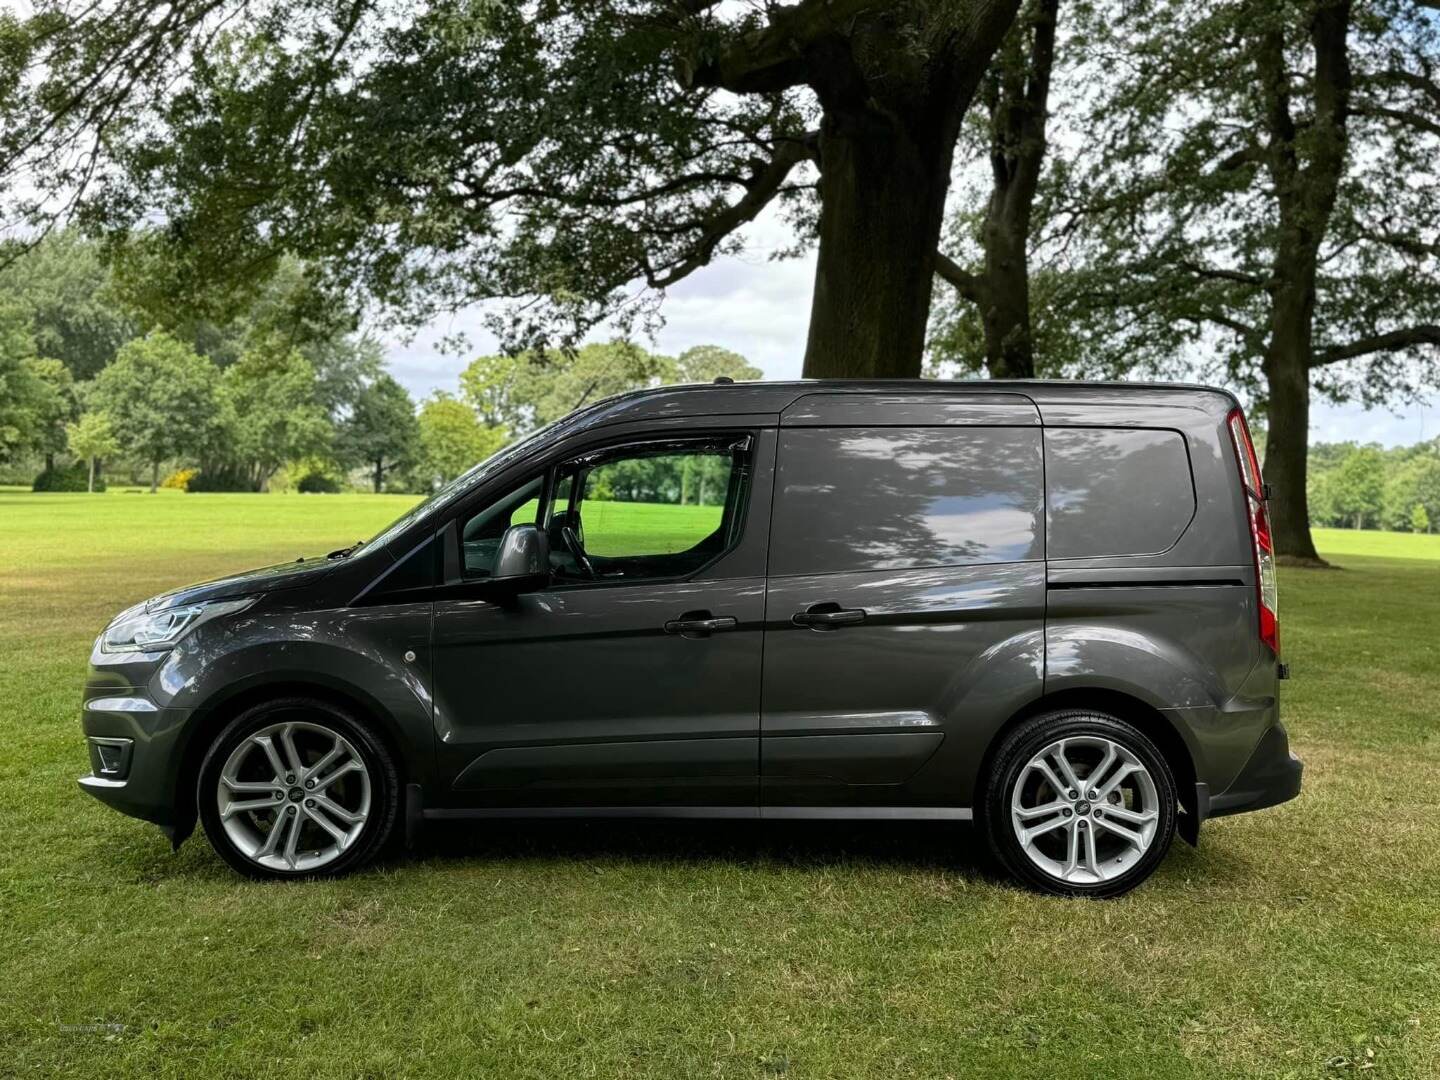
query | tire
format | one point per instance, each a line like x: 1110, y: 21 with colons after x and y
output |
x: 1076, y: 846
x: 341, y: 801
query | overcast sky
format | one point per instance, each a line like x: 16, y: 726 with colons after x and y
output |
x: 761, y: 308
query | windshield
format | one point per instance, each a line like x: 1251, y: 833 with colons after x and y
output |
x: 447, y: 494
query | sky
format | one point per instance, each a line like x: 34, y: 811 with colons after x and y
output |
x: 760, y: 308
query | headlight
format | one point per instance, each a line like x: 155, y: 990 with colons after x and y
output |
x: 160, y: 630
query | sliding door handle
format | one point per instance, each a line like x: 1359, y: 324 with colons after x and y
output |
x: 828, y: 616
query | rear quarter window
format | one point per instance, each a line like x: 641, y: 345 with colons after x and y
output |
x: 855, y: 499
x: 1116, y: 491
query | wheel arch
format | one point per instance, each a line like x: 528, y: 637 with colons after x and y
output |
x: 209, y: 719
x: 1154, y: 723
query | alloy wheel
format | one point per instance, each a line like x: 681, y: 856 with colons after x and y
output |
x: 1084, y: 809
x: 294, y: 796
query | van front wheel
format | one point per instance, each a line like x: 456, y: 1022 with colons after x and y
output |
x: 1080, y: 803
x: 297, y: 788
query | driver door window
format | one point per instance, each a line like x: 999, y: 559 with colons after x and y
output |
x: 647, y: 512
x: 655, y: 510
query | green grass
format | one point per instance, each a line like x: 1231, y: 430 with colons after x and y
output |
x: 620, y: 528
x: 1303, y: 941
x: 1338, y: 542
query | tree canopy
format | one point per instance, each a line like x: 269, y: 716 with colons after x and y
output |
x: 160, y: 397
x: 587, y: 154
x: 1260, y: 185
x: 67, y: 295
x: 381, y: 431
x: 521, y: 392
x: 452, y: 439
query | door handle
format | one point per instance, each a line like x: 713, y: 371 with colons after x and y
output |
x: 700, y: 623
x: 827, y: 616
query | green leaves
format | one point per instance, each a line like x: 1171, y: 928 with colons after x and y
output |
x: 161, y: 397
x: 451, y: 440
x: 92, y: 436
x: 272, y: 414
x: 427, y: 155
x: 381, y: 430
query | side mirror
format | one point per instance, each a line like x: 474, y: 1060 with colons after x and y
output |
x: 522, y: 561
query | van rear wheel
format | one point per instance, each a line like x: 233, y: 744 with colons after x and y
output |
x: 1080, y: 803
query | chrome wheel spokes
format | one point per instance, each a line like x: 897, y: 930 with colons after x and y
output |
x: 1084, y: 809
x: 294, y: 796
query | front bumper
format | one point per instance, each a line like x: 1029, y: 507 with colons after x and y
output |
x: 1270, y: 777
x: 135, y: 750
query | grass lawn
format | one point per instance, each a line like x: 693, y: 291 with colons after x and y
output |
x: 1303, y: 941
x: 1340, y: 542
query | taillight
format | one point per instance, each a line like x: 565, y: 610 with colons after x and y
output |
x: 1266, y: 592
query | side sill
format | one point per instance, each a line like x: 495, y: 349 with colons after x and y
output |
x: 486, y: 812
x: 744, y: 813
x: 867, y: 813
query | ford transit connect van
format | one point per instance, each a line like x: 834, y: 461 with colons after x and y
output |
x: 1049, y: 608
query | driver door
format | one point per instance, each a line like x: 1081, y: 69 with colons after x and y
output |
x: 633, y: 679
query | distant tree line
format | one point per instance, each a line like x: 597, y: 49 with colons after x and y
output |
x: 100, y: 372
x: 1358, y: 486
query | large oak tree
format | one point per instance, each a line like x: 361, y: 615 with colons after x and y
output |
x: 1010, y: 132
x: 573, y: 157
x: 1258, y: 186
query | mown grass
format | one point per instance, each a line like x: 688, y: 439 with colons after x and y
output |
x: 1303, y: 941
x: 1336, y: 542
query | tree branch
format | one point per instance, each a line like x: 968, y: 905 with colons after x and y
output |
x: 1410, y: 245
x: 763, y: 186
x: 1252, y: 337
x: 1394, y: 341
x: 772, y: 57
x: 1408, y: 79
x: 965, y: 283
x: 1254, y: 154
x: 1404, y: 116
x: 1216, y: 273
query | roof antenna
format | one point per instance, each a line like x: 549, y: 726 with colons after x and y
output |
x: 723, y: 380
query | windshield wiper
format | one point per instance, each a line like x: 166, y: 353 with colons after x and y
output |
x: 345, y: 552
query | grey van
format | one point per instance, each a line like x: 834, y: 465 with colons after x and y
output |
x: 1046, y: 607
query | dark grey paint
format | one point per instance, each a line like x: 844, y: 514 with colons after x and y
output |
x: 576, y: 699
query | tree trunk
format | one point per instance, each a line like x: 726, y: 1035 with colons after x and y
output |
x: 379, y: 474
x: 894, y: 86
x: 91, y: 488
x: 1018, y: 96
x: 1287, y: 439
x: 1305, y: 196
x: 882, y: 194
x: 154, y: 477
x: 1005, y: 314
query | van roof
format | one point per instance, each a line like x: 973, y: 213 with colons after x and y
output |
x: 729, y: 399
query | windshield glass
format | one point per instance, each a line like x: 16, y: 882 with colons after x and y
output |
x: 447, y: 494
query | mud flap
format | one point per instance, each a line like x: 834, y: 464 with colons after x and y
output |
x: 179, y: 832
x: 1196, y: 809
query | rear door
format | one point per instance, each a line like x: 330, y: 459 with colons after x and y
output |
x: 905, y: 598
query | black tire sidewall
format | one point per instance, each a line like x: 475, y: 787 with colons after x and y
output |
x: 384, y: 784
x: 1020, y: 745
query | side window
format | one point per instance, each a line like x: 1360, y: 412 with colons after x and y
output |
x: 1116, y: 491
x: 656, y: 511
x: 855, y: 499
x: 480, y: 535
